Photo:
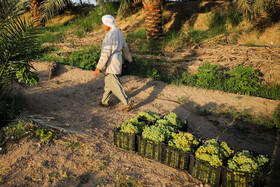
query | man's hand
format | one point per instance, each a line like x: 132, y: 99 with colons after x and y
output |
x: 96, y: 72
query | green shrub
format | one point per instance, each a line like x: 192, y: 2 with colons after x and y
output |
x: 85, y: 59
x: 243, y: 80
x: 208, y: 76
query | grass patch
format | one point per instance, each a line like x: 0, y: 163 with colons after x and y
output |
x: 21, y: 129
x: 126, y: 181
x: 80, y: 25
x: 74, y: 145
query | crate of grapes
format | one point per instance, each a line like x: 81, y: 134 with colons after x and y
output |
x: 204, y: 172
x: 149, y: 148
x: 246, y: 169
x: 124, y: 140
x: 175, y: 157
x: 232, y: 178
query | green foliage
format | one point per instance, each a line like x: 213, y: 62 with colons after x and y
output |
x: 213, y: 152
x: 15, y: 132
x: 217, y: 23
x: 45, y: 135
x: 208, y: 76
x: 184, y: 141
x: 17, y: 44
x: 51, y: 34
x: 246, y: 162
x: 80, y: 25
x: 243, y: 80
x: 85, y: 59
x: 252, y: 8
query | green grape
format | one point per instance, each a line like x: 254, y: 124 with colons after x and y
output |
x: 157, y: 133
x: 148, y: 116
x: 213, y: 152
x: 163, y: 122
x: 175, y: 120
x: 184, y: 141
x: 132, y: 126
x: 245, y: 161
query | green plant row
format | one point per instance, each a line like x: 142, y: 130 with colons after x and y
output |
x: 241, y: 80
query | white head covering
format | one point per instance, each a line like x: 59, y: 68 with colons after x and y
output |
x: 109, y: 21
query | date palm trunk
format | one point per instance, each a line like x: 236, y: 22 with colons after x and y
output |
x: 35, y: 7
x: 153, y: 19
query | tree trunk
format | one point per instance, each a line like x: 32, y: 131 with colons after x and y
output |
x: 35, y: 6
x: 153, y: 19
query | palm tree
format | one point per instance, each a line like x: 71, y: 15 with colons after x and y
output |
x: 17, y: 44
x: 153, y: 15
x: 43, y: 10
x: 153, y: 18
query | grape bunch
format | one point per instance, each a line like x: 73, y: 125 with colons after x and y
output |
x: 184, y: 141
x: 132, y: 126
x: 245, y: 161
x: 175, y: 120
x: 213, y: 152
x: 157, y: 133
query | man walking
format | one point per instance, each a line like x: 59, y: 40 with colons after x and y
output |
x: 111, y: 62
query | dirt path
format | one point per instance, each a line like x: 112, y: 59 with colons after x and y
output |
x: 71, y: 101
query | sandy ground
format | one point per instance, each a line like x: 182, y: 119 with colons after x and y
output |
x: 71, y: 99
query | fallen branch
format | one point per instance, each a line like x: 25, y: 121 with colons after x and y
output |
x: 55, y: 126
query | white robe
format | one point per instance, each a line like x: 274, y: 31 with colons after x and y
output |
x: 111, y: 57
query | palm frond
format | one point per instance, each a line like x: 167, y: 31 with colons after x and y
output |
x: 17, y: 41
x: 51, y: 7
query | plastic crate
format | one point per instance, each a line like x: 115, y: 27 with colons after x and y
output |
x: 175, y: 158
x: 204, y: 172
x: 149, y: 148
x: 232, y: 178
x: 124, y: 140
